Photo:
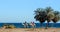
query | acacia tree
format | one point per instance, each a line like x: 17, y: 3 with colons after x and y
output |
x: 57, y: 16
x: 40, y: 15
x: 48, y: 14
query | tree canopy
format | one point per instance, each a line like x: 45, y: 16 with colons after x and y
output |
x: 43, y: 14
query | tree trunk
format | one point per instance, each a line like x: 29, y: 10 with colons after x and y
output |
x: 54, y: 24
x: 41, y: 25
x: 47, y: 24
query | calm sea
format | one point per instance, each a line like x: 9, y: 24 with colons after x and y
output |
x: 20, y: 25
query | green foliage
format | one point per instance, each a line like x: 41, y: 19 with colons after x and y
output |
x: 7, y: 26
x: 48, y: 14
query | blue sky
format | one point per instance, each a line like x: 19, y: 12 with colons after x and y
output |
x: 17, y: 11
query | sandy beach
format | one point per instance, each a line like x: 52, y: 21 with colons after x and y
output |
x: 30, y: 30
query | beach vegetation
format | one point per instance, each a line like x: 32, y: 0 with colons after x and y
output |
x: 46, y: 14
